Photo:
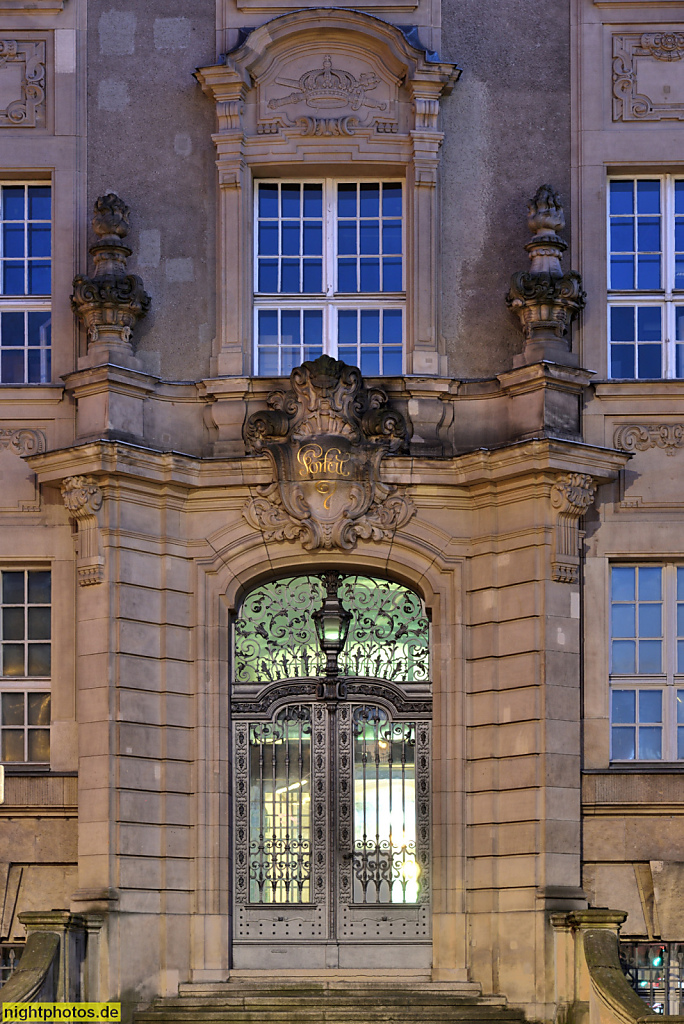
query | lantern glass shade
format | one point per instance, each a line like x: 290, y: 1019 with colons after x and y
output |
x: 332, y: 623
x: 332, y: 627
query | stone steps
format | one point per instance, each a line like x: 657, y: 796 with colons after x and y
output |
x: 242, y: 1003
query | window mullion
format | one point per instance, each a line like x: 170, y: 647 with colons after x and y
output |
x: 330, y: 339
x: 330, y: 237
x: 670, y: 630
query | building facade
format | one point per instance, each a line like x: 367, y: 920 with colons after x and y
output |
x: 342, y: 579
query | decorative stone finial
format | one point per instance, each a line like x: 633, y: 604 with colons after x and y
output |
x: 545, y: 299
x: 110, y: 302
x: 111, y: 221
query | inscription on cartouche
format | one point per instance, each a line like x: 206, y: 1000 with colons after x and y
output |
x: 316, y: 462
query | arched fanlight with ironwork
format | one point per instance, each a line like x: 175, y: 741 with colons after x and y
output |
x: 279, y: 631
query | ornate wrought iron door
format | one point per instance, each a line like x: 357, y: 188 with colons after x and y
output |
x: 331, y: 796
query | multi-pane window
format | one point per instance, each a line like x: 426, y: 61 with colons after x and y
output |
x: 646, y: 277
x: 25, y: 628
x: 25, y: 276
x: 329, y: 274
x: 647, y: 662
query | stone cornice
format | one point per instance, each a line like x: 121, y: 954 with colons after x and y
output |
x: 539, y: 458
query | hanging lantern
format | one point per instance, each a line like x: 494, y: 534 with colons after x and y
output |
x: 332, y: 623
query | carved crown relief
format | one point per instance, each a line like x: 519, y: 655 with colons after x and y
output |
x: 352, y: 89
x: 22, y: 83
x: 325, y: 439
x: 648, y: 76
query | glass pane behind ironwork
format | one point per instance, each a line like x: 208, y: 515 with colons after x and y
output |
x: 280, y: 808
x: 275, y: 636
x: 655, y: 970
x: 385, y: 868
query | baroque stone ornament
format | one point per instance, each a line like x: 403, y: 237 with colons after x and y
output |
x: 646, y: 85
x: 83, y: 499
x: 328, y: 88
x: 326, y: 438
x: 641, y: 437
x: 571, y: 496
x: 544, y: 298
x: 22, y: 83
x: 110, y: 302
x: 22, y: 440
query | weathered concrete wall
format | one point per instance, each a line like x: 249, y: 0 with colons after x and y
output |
x: 149, y: 140
x: 507, y: 131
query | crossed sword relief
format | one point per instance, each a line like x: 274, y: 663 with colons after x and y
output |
x: 313, y: 86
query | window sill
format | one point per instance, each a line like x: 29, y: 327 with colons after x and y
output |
x: 637, y: 767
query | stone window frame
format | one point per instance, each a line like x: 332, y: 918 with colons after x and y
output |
x: 330, y: 300
x: 666, y: 298
x: 669, y: 683
x: 25, y: 684
x: 406, y: 146
x: 29, y: 303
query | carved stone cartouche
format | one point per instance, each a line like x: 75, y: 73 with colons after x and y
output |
x: 544, y: 298
x: 111, y: 301
x: 325, y: 438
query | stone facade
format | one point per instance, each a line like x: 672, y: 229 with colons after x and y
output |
x: 500, y: 476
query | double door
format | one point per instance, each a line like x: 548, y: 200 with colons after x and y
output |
x: 331, y: 837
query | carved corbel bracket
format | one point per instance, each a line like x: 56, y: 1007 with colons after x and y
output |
x: 83, y: 499
x: 228, y: 85
x: 571, y: 496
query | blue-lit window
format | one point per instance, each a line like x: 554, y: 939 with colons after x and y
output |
x: 646, y: 271
x: 329, y: 274
x: 647, y: 662
x: 25, y: 283
x: 25, y: 665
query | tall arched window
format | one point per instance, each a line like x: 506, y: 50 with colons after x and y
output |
x: 331, y: 776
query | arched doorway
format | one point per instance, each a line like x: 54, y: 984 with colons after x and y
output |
x: 331, y: 776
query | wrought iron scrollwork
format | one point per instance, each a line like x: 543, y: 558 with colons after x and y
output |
x: 275, y: 637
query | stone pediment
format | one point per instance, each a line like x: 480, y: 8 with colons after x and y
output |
x: 327, y: 72
x: 325, y: 439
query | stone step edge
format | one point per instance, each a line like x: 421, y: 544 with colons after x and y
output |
x: 371, y: 981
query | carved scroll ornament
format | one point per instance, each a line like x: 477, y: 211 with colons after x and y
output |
x: 22, y: 83
x: 644, y: 90
x: 571, y: 496
x: 641, y: 437
x: 22, y: 440
x: 325, y: 439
